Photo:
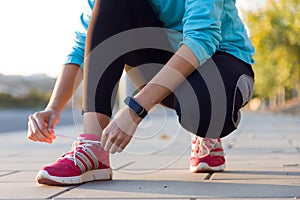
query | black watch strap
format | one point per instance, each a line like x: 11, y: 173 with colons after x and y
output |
x: 136, y: 107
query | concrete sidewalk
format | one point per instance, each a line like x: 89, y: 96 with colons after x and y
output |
x: 263, y: 162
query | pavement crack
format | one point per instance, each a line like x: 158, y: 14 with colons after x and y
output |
x: 123, y: 166
x: 62, y: 192
x: 9, y: 173
x: 208, y: 176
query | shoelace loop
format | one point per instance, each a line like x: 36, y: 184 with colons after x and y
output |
x: 202, y: 145
x: 79, y: 142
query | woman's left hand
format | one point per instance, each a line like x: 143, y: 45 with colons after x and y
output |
x: 119, y: 132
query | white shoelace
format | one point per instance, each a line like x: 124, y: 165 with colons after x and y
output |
x: 200, y: 147
x: 79, y: 142
x: 202, y: 144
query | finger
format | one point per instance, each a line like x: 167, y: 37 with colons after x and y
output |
x: 40, y: 121
x: 29, y: 130
x: 120, y: 150
x: 104, y: 137
x: 36, y: 133
x: 48, y: 134
x: 116, y: 144
x: 29, y: 133
x: 114, y: 148
x: 108, y: 145
x: 52, y: 122
x: 124, y: 143
x: 51, y: 131
x: 32, y: 139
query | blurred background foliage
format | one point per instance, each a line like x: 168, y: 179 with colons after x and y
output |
x: 274, y: 31
x: 34, y: 99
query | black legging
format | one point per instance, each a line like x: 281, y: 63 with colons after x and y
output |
x: 109, y: 18
x: 207, y: 103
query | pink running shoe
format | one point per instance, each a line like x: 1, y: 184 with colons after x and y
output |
x: 207, y: 155
x: 87, y: 161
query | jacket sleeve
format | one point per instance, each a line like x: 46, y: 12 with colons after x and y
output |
x: 76, y: 54
x: 202, y: 27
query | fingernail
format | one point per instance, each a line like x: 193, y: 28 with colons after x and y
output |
x: 51, y: 131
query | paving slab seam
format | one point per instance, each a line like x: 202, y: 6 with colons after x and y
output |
x: 180, y: 198
x: 149, y: 198
x: 248, y: 198
x: 209, y: 176
x: 147, y: 169
x: 64, y: 191
x: 123, y: 166
x: 24, y: 199
x: 9, y: 173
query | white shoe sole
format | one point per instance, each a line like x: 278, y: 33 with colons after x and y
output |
x: 204, y: 167
x: 94, y: 175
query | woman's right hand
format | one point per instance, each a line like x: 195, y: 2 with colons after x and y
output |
x: 41, y: 125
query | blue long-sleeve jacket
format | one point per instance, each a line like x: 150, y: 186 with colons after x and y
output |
x: 207, y: 26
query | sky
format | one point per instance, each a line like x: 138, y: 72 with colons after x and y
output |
x: 35, y: 35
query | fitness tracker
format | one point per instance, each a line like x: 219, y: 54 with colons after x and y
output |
x: 136, y: 107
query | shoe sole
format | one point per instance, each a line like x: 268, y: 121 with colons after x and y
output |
x: 94, y: 175
x: 204, y: 167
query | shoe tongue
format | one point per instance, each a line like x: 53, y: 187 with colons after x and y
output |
x: 90, y: 137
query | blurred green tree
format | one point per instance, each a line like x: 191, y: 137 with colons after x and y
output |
x: 275, y: 33
x: 33, y: 99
